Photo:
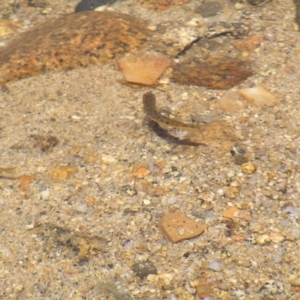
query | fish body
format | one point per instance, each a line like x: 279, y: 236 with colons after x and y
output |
x: 149, y: 104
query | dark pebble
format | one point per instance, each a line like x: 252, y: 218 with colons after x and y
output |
x: 240, y: 159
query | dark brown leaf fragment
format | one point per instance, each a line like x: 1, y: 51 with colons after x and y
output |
x: 214, y: 74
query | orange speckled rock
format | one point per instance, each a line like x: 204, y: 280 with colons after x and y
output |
x: 71, y: 41
x: 160, y: 5
x: 250, y: 43
x: 61, y: 173
x: 176, y: 227
x: 234, y: 212
x: 25, y: 181
x: 141, y: 172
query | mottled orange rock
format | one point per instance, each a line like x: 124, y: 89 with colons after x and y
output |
x: 160, y: 5
x: 161, y: 164
x: 141, y: 172
x: 204, y: 289
x: 221, y: 73
x: 176, y: 227
x: 63, y: 172
x: 250, y: 43
x: 25, y: 181
x: 71, y: 41
x: 234, y: 212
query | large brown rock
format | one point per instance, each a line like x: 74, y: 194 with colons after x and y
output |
x: 71, y: 41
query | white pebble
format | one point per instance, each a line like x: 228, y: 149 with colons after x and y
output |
x: 82, y: 208
x: 258, y: 96
x: 45, y: 194
x: 220, y: 192
x: 147, y: 202
x: 184, y: 96
x: 262, y: 239
x: 277, y: 258
x: 215, y: 266
x: 171, y: 200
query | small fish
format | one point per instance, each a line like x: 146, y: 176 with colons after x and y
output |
x: 149, y: 102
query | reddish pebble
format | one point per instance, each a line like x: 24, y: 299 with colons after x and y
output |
x: 176, y: 227
x: 25, y: 181
x: 249, y: 44
x: 234, y: 212
x: 63, y: 172
x: 144, y: 68
x: 141, y: 172
x: 258, y: 96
